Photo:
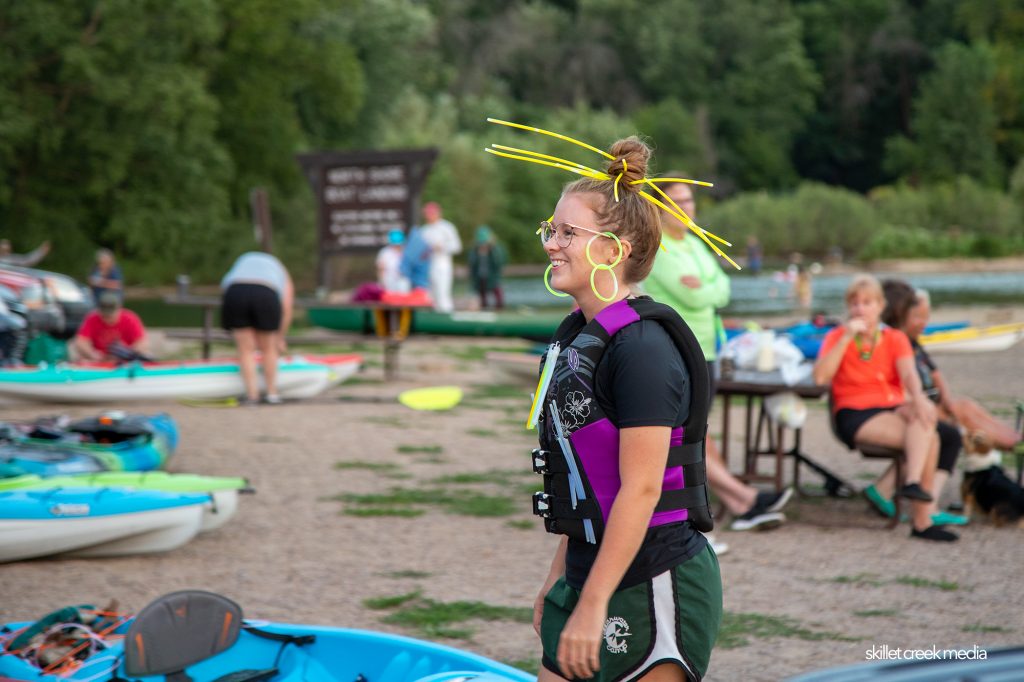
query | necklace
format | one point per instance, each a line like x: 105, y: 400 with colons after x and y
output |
x: 865, y: 355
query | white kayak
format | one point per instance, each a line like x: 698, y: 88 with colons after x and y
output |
x: 974, y: 339
x: 298, y: 377
x: 96, y: 522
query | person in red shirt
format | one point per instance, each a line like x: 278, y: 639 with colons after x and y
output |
x: 877, y: 397
x: 110, y: 332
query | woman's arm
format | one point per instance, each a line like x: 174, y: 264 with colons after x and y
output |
x: 827, y: 364
x: 643, y: 453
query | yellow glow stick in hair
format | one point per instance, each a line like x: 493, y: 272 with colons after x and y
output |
x: 684, y: 218
x: 564, y: 164
x: 548, y: 132
x: 546, y: 156
x: 571, y: 169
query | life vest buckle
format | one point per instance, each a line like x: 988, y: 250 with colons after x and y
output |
x: 540, y: 461
x: 542, y: 504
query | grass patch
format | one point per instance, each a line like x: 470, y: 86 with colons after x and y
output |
x: 866, y: 476
x: 482, y: 433
x: 528, y: 665
x: 737, y: 627
x: 914, y: 581
x: 408, y: 574
x: 877, y: 613
x: 410, y: 499
x: 859, y: 579
x: 432, y: 618
x: 363, y: 381
x: 369, y: 466
x: 420, y: 449
x: 380, y: 603
x: 520, y: 524
x: 407, y: 512
x: 978, y: 627
x: 496, y: 476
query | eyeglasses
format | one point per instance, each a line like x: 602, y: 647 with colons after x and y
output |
x: 562, y: 233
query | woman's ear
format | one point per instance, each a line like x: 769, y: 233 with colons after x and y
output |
x: 626, y: 247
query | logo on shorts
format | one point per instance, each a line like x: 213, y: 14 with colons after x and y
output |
x: 615, y: 631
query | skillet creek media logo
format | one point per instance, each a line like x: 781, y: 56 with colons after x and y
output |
x: 615, y: 632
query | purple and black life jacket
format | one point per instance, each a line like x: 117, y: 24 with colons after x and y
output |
x: 579, y: 445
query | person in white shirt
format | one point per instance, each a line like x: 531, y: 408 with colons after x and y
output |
x: 444, y: 242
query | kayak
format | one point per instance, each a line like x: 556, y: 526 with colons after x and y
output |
x: 222, y: 490
x: 975, y: 339
x: 533, y: 325
x: 205, y: 636
x: 112, y: 441
x: 298, y: 377
x: 91, y: 522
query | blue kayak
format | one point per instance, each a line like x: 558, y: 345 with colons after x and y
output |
x: 94, y: 522
x: 210, y: 644
x: 112, y: 441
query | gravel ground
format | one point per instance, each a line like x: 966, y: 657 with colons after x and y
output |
x: 820, y: 591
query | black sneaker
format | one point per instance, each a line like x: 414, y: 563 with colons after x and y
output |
x: 773, y: 502
x: 914, y: 491
x: 935, y: 534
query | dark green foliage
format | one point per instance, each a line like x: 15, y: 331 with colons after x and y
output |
x: 143, y: 125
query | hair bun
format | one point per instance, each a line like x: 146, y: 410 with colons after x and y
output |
x: 631, y: 159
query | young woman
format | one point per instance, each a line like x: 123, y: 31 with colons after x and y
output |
x: 877, y: 397
x: 634, y: 590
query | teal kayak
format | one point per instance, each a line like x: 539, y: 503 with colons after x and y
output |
x: 204, y: 636
x: 112, y: 441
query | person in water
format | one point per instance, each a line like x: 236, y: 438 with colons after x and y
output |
x: 634, y: 590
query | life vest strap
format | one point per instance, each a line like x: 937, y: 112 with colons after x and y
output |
x: 546, y: 462
x: 685, y: 454
x: 547, y: 506
x: 689, y: 497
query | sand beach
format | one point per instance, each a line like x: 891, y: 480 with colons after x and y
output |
x: 450, y: 528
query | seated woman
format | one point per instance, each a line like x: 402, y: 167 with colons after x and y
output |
x: 871, y: 368
x: 901, y: 301
x: 955, y: 410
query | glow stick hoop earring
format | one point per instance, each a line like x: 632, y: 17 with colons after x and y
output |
x: 548, y: 286
x: 615, y: 281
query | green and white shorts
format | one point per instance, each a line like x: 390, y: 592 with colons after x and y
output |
x: 673, y: 617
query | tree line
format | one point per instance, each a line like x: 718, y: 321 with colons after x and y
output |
x: 881, y: 127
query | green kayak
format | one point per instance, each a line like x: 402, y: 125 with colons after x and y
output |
x: 223, y: 490
x: 532, y: 325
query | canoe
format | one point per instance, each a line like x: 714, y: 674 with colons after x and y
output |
x: 975, y: 339
x: 91, y: 522
x: 533, y: 325
x: 205, y: 646
x: 297, y: 377
x: 112, y: 441
x: 222, y: 490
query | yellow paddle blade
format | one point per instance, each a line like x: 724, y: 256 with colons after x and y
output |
x: 432, y: 398
x: 209, y: 402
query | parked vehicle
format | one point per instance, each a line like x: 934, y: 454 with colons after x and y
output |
x: 45, y: 315
x: 74, y: 298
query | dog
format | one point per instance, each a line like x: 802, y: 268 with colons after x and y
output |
x: 986, y: 488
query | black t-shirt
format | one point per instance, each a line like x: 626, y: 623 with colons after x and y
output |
x: 641, y: 381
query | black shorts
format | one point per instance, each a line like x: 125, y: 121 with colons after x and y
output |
x: 250, y: 306
x: 849, y: 421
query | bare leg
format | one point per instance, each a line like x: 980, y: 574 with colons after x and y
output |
x: 546, y: 675
x: 245, y: 343
x: 737, y: 497
x: 976, y: 418
x: 666, y: 672
x: 892, y: 430
x: 267, y: 342
x: 886, y: 483
x: 922, y: 511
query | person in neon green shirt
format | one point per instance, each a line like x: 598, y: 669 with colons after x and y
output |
x: 687, y: 276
